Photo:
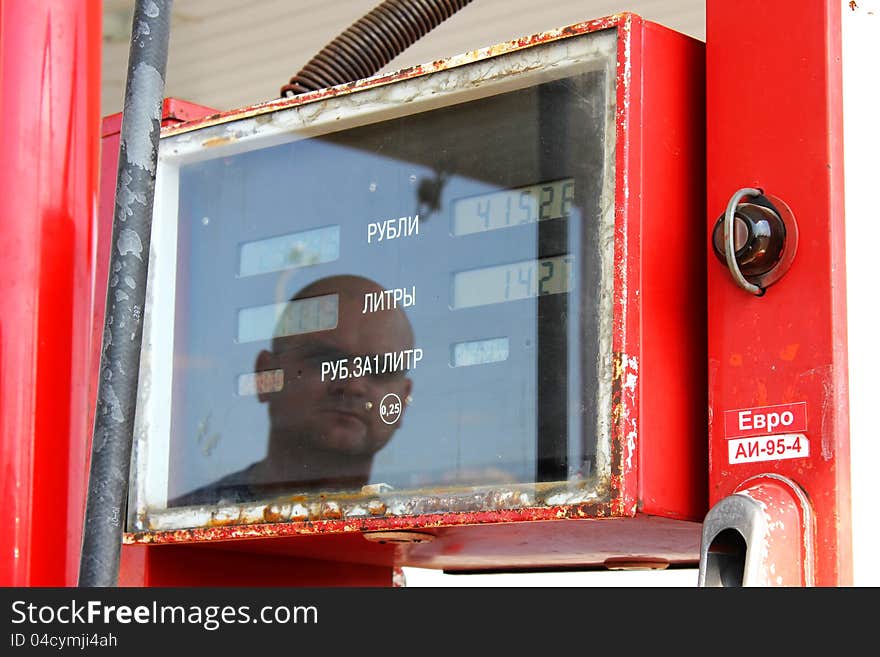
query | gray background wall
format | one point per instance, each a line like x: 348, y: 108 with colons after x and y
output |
x: 232, y: 53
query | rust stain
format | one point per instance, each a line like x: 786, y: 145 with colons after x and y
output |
x: 331, y: 510
x: 356, y: 511
x: 852, y: 5
x: 624, y: 442
x: 736, y: 360
x: 377, y: 508
x: 217, y: 141
x: 273, y: 513
x: 224, y: 519
x: 225, y: 532
x: 299, y: 516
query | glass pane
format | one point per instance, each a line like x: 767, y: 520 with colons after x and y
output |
x: 411, y: 302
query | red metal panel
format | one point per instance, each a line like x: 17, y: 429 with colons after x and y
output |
x: 49, y: 101
x: 192, y: 565
x: 775, y: 122
x: 174, y: 111
x: 673, y: 459
x: 627, y: 323
x: 488, y: 543
x: 50, y: 54
x: 659, y: 290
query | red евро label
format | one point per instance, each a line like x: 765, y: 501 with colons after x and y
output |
x: 766, y: 420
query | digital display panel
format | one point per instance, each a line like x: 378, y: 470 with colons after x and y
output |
x: 408, y: 302
x: 288, y: 318
x: 510, y: 282
x: 480, y: 352
x: 260, y: 383
x: 511, y: 207
x: 301, y: 249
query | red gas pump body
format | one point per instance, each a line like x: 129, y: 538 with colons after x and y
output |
x: 659, y: 472
x: 784, y: 352
x: 49, y: 100
x: 767, y: 356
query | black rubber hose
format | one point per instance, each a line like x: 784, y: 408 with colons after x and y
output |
x: 126, y: 291
x: 371, y: 42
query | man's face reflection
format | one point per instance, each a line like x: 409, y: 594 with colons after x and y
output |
x: 336, y: 416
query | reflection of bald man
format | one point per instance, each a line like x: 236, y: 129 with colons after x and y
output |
x: 323, y: 435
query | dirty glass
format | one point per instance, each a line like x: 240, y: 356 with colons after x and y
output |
x: 409, y: 304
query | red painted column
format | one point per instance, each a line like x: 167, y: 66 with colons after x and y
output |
x: 775, y: 122
x: 50, y: 54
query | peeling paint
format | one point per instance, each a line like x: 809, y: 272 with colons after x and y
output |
x: 145, y: 80
x: 129, y: 242
x: 142, y: 29
x: 561, y: 499
x: 126, y: 197
x: 226, y: 516
x: 624, y: 384
x: 111, y: 401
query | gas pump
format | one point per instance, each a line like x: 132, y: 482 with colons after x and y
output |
x: 779, y: 458
x: 477, y: 315
x: 438, y: 354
